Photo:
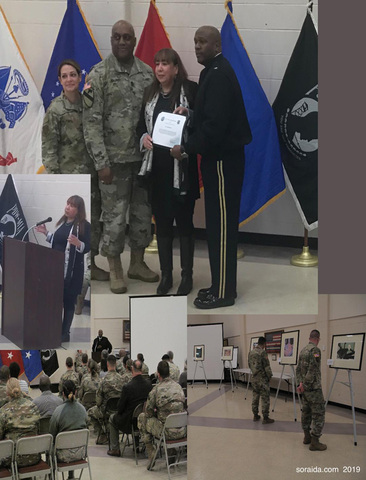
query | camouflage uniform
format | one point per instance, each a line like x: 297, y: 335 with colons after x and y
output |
x: 110, y: 386
x: 110, y: 120
x: 19, y: 418
x: 145, y: 369
x: 68, y: 375
x: 261, y: 375
x: 3, y: 396
x: 88, y: 384
x: 313, y: 405
x: 126, y: 377
x: 174, y: 371
x: 120, y: 367
x: 64, y: 151
x: 165, y: 398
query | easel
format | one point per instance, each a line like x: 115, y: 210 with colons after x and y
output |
x: 350, y: 386
x: 232, y: 376
x: 195, y: 368
x: 293, y: 381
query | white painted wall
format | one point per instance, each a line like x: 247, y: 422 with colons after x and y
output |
x: 338, y: 315
x: 269, y: 29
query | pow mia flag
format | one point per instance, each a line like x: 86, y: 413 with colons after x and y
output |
x: 12, y: 221
x: 296, y: 113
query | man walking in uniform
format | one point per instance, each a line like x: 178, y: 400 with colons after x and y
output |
x: 112, y: 103
x: 310, y: 386
x: 220, y: 131
x: 261, y: 376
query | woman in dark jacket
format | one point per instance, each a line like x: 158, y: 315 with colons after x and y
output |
x: 174, y: 184
x: 72, y: 236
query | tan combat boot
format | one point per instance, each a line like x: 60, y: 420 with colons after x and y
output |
x: 79, y: 305
x: 138, y: 269
x: 117, y: 284
x: 316, y: 445
x: 150, y: 448
x: 307, y: 437
x: 97, y: 273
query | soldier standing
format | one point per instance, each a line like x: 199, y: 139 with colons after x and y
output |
x: 165, y: 398
x: 261, y: 376
x: 313, y: 406
x: 64, y: 150
x: 112, y: 103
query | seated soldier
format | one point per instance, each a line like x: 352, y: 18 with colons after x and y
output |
x: 174, y: 371
x: 133, y: 393
x: 165, y: 398
x: 81, y: 364
x: 70, y: 374
x: 19, y: 418
x: 4, y: 377
x: 145, y: 368
x: 110, y: 386
x: 127, y: 375
x: 89, y: 383
x: 119, y: 366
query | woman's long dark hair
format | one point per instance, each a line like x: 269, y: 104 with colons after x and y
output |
x: 80, y: 218
x: 170, y: 56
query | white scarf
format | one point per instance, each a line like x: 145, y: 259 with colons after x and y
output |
x: 146, y: 166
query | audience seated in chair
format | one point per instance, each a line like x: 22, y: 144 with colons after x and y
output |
x: 47, y: 401
x: 133, y: 393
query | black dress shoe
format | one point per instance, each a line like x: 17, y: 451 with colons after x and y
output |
x: 186, y: 284
x: 203, y: 292
x: 213, y: 302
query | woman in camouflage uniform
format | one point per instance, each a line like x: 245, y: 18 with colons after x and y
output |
x: 64, y: 149
x: 19, y: 418
x: 89, y: 383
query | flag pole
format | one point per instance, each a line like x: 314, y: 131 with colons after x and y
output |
x: 305, y: 259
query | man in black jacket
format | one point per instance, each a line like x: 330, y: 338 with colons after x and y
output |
x: 101, y: 343
x: 220, y: 131
x: 133, y: 393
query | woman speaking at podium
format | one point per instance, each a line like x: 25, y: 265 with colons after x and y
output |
x: 71, y: 236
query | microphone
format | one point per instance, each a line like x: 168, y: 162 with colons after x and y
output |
x: 49, y: 219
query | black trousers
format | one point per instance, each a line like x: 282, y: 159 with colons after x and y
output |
x: 183, y: 216
x: 222, y: 181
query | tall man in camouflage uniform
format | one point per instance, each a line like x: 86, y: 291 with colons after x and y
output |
x: 112, y: 106
x: 110, y: 386
x: 310, y: 386
x: 261, y: 376
x: 165, y: 398
x: 70, y: 374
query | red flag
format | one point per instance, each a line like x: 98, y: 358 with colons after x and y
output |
x: 153, y: 38
x: 9, y: 356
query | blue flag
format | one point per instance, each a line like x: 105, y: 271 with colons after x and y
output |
x: 263, y: 179
x: 75, y: 41
x: 32, y: 363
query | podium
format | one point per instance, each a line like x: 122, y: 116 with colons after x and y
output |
x: 32, y: 303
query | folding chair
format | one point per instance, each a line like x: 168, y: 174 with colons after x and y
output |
x: 135, y: 431
x: 7, y: 453
x: 68, y: 440
x: 44, y: 425
x: 89, y: 399
x: 175, y: 420
x: 33, y: 445
x: 110, y: 407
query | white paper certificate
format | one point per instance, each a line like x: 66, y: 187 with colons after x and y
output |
x: 168, y: 129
